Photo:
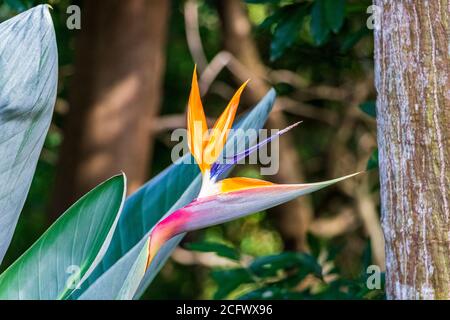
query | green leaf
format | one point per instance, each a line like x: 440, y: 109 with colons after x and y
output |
x: 272, y: 19
x: 66, y: 254
x: 314, y: 243
x: 335, y: 14
x: 174, y: 188
x: 262, y: 1
x: 366, y: 257
x: 320, y: 29
x: 369, y: 108
x: 217, y: 248
x: 18, y: 5
x: 121, y: 280
x: 28, y: 80
x: 373, y: 161
x: 229, y: 280
x: 272, y: 292
x: 352, y: 39
x: 287, y: 29
x: 269, y: 266
x: 283, y: 272
x: 134, y: 277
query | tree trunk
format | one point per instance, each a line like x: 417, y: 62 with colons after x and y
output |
x: 297, y: 214
x: 115, y: 95
x: 412, y: 68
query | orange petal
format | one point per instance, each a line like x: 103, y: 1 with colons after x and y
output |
x: 219, y: 133
x: 236, y: 184
x: 196, y: 123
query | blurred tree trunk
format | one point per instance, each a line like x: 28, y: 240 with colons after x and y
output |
x: 115, y: 95
x: 296, y: 215
x: 412, y: 68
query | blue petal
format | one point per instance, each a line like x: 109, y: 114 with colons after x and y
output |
x: 224, y: 165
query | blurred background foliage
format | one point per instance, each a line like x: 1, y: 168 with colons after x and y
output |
x: 319, y: 57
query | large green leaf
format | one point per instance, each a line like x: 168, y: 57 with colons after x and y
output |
x: 70, y: 249
x: 288, y: 28
x: 268, y: 266
x: 335, y: 14
x: 320, y: 29
x: 174, y: 188
x: 28, y: 80
x: 229, y: 280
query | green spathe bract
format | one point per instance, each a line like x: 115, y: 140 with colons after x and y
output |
x: 76, y: 242
x: 28, y: 81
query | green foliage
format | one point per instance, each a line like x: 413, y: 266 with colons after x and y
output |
x: 28, y: 93
x: 334, y: 14
x: 351, y: 39
x: 218, y: 248
x: 286, y: 23
x: 373, y: 161
x: 326, y: 16
x: 320, y: 29
x: 272, y: 276
x: 283, y: 276
x: 262, y: 1
x: 369, y: 108
x: 269, y: 266
x: 78, y: 239
x: 18, y: 5
x: 230, y: 280
x: 290, y: 19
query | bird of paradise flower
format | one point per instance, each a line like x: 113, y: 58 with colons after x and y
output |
x: 220, y: 201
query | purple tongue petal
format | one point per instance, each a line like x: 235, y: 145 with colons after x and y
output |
x: 219, y: 168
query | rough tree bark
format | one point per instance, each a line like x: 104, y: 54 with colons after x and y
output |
x: 115, y: 95
x: 297, y: 215
x: 412, y: 68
